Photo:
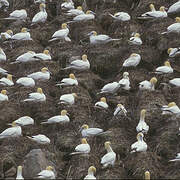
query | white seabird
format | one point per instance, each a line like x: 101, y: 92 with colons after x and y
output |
x: 171, y: 108
x: 135, y: 40
x: 38, y: 96
x: 142, y: 126
x: 80, y: 64
x: 19, y: 173
x: 110, y: 157
x: 43, y: 75
x: 175, y: 82
x: 120, y: 110
x: 68, y: 99
x: 173, y: 52
x: 121, y: 16
x: 7, y: 81
x: 26, y: 81
x: 3, y: 71
x: 63, y: 118
x: 140, y: 145
x: 18, y: 15
x: 39, y: 1
x: 41, y: 16
x: 110, y: 88
x: 124, y: 82
x: 83, y: 148
x: 68, y: 81
x: 2, y: 55
x: 102, y: 103
x: 176, y: 159
x: 4, y: 3
x: 133, y: 60
x: 147, y: 175
x: 61, y: 34
x: 24, y: 121
x: 46, y: 174
x: 23, y: 35
x: 75, y: 12
x: 43, y: 56
x: 166, y: 69
x: 91, y: 172
x: 3, y: 96
x: 148, y: 85
x: 175, y: 8
x: 68, y: 4
x: 14, y: 131
x: 26, y: 57
x: 40, y: 138
x: 6, y: 35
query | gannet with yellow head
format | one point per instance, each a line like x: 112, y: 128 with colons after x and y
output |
x: 166, y: 69
x: 19, y: 173
x: 175, y: 82
x: 2, y: 55
x: 26, y: 57
x: 171, y: 108
x: 7, y: 81
x: 133, y: 60
x: 23, y: 35
x: 147, y: 175
x: 3, y: 71
x: 91, y: 172
x: 174, y: 8
x: 173, y: 52
x: 39, y: 1
x: 135, y: 40
x: 18, y: 15
x: 44, y: 56
x: 26, y: 81
x: 120, y: 110
x: 110, y: 88
x: 68, y: 4
x: 124, y: 82
x: 75, y: 12
x: 6, y: 35
x: 148, y: 85
x: 46, y: 174
x: 40, y: 139
x: 68, y: 99
x: 102, y: 103
x: 3, y: 95
x: 121, y: 16
x: 24, y: 121
x: 177, y: 158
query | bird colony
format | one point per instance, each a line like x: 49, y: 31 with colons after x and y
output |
x: 94, y: 85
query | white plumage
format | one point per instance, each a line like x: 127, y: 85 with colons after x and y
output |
x: 84, y: 17
x: 120, y: 110
x: 68, y: 81
x: 110, y: 88
x: 7, y: 81
x: 26, y: 81
x: 91, y: 172
x: 87, y: 132
x: 67, y: 5
x: 19, y: 173
x: 173, y: 52
x: 3, y: 71
x: 133, y: 60
x: 24, y: 121
x: 175, y: 82
x: 175, y: 8
x: 148, y: 85
x: 45, y: 56
x: 18, y: 15
x: 176, y: 159
x: 75, y: 12
x: 4, y: 3
x: 121, y: 16
x: 3, y: 96
x: 102, y: 103
x: 23, y: 35
x: 40, y: 138
x: 46, y: 174
x: 68, y: 99
x: 171, y: 108
x: 135, y: 40
x: 26, y: 57
x: 166, y: 69
x: 124, y: 82
x: 2, y: 55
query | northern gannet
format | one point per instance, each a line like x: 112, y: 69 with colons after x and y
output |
x: 46, y: 174
x: 38, y: 96
x: 121, y: 16
x: 4, y: 3
x: 154, y: 14
x: 68, y: 99
x: 63, y: 118
x: 40, y: 138
x: 2, y: 55
x: 120, y: 110
x: 26, y: 57
x: 142, y: 126
x: 68, y: 4
x: 13, y: 131
x: 80, y: 64
x: 23, y: 35
x: 166, y: 69
x: 24, y: 121
x: 152, y: 8
x: 140, y: 145
x: 110, y: 157
x: 171, y: 108
x: 75, y: 12
x: 19, y: 173
x: 68, y: 81
x: 110, y: 88
x: 99, y: 39
x: 175, y: 82
x: 135, y: 40
x: 173, y: 52
x: 102, y: 103
x: 18, y: 15
x: 173, y: 28
x: 91, y: 172
x: 7, y: 81
x: 61, y: 34
x: 26, y: 81
x: 175, y: 8
x: 147, y: 175
x: 44, y: 74
x: 148, y: 85
x: 43, y: 56
x: 83, y: 148
x: 176, y: 159
x: 6, y: 35
x: 124, y: 82
x: 41, y: 16
x: 133, y: 60
x: 3, y: 71
x: 3, y: 96
x: 39, y: 1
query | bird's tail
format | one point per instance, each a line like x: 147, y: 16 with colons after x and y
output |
x: 15, y: 62
x: 67, y: 39
x: 172, y: 160
x: 76, y: 153
x: 69, y: 67
x: 45, y: 122
x: 104, y: 133
x: 28, y: 100
x: 164, y: 33
x: 133, y: 151
x: 52, y: 39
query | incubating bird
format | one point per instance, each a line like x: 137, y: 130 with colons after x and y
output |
x: 3, y: 95
x: 68, y: 4
x: 124, y: 82
x: 148, y: 85
x: 133, y: 60
x: 152, y: 8
x: 91, y: 172
x: 41, y: 16
x: 7, y: 81
x: 175, y: 8
x: 99, y: 39
x: 26, y: 57
x: 39, y: 1
x: 110, y: 157
x: 83, y: 148
x: 171, y: 108
x: 6, y: 35
x: 40, y: 139
x: 102, y: 103
x: 166, y: 69
x: 147, y: 175
x: 46, y: 174
x: 154, y: 14
x: 68, y: 99
x: 142, y: 126
x: 140, y: 145
x: 4, y: 3
x: 24, y: 121
x: 61, y: 34
x: 45, y: 56
x: 110, y: 88
x: 177, y: 158
x: 173, y: 52
x: 63, y: 118
x: 80, y: 64
x: 26, y: 81
x: 14, y: 131
x: 121, y: 16
x: 43, y: 75
x: 23, y: 35
x: 175, y: 82
x: 19, y: 173
x: 135, y: 40
x: 3, y: 71
x: 18, y: 15
x: 120, y: 110
x: 38, y: 96
x: 68, y: 81
x: 75, y: 12
x: 173, y: 28
x: 2, y: 55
